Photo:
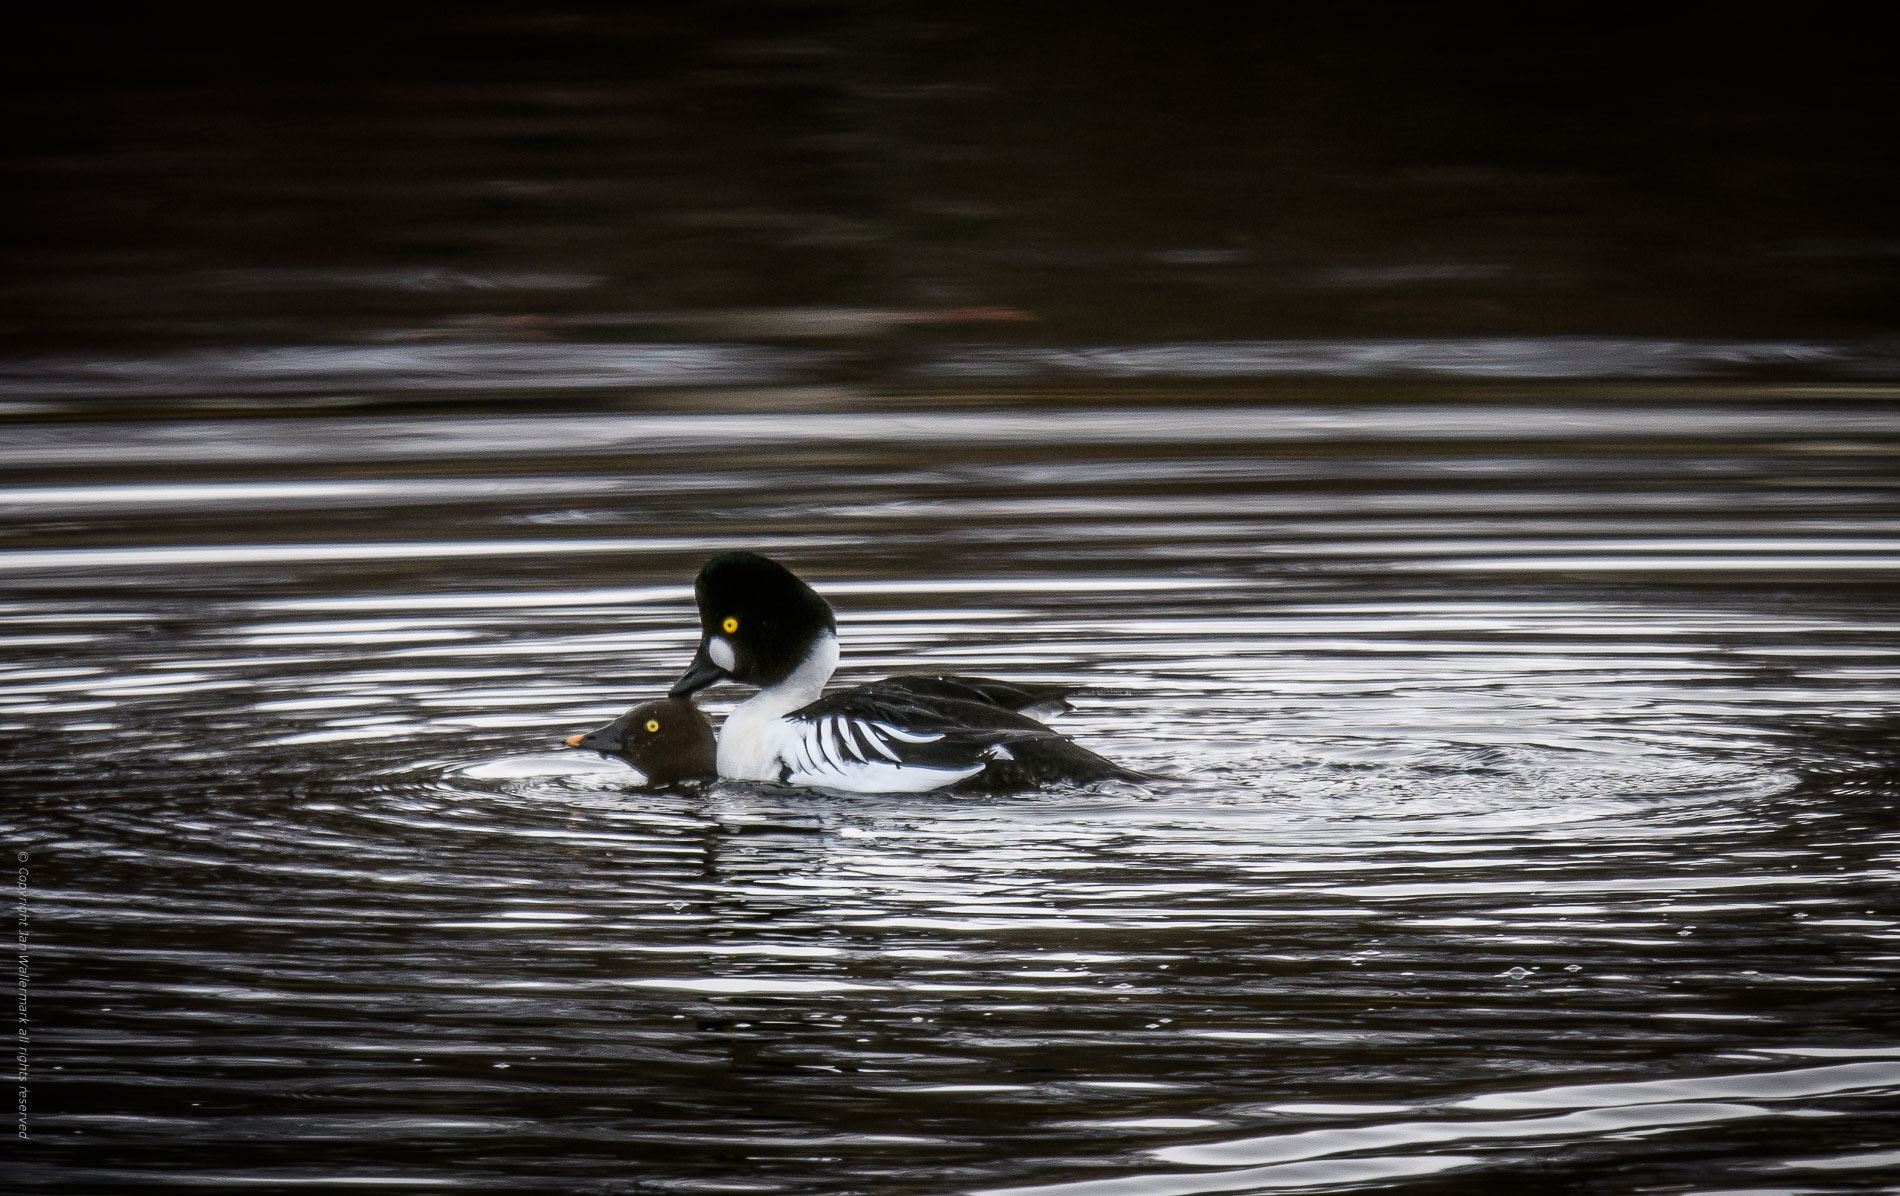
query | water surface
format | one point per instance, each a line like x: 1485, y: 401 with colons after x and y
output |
x: 1530, y: 812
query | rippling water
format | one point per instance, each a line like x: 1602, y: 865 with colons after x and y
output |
x: 1530, y: 814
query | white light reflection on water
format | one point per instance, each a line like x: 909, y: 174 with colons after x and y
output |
x: 328, y: 370
x: 267, y: 554
x: 373, y: 438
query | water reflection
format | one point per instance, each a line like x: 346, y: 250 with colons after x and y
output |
x: 345, y: 375
x: 1445, y: 882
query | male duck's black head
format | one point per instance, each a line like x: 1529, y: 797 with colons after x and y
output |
x: 758, y: 623
x: 668, y: 740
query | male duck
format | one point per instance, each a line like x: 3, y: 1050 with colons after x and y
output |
x: 760, y: 625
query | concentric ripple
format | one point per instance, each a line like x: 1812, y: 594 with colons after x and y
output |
x: 1460, y: 870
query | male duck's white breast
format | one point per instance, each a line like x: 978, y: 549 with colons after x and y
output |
x: 752, y: 745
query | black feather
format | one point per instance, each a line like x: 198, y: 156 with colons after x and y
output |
x: 1009, y: 695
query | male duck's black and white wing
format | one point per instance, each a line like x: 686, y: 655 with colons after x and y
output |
x: 909, y: 735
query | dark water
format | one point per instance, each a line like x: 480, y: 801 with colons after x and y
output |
x: 1462, y: 460
x: 1534, y: 813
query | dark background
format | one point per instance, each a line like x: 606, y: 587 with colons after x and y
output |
x: 1060, y: 174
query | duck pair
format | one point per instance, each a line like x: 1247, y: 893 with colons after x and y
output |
x: 760, y: 625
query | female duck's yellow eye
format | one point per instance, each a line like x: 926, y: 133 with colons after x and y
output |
x: 730, y: 625
x: 653, y: 724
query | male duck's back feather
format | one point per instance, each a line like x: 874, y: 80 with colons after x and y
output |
x: 1042, y: 698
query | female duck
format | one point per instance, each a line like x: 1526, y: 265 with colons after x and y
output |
x: 669, y: 741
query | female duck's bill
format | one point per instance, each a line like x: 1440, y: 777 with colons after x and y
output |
x: 668, y: 740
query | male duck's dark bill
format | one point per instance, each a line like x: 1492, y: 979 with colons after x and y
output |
x: 701, y: 673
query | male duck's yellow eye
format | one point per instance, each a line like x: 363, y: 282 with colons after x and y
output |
x: 653, y: 724
x: 730, y: 625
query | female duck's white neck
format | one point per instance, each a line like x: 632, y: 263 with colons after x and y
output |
x: 750, y: 740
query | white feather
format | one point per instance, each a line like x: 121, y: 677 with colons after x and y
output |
x: 869, y: 734
x: 908, y: 736
x: 880, y: 777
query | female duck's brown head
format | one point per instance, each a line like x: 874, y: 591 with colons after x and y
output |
x: 668, y: 741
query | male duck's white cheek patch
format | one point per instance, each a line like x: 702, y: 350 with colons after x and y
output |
x: 721, y: 653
